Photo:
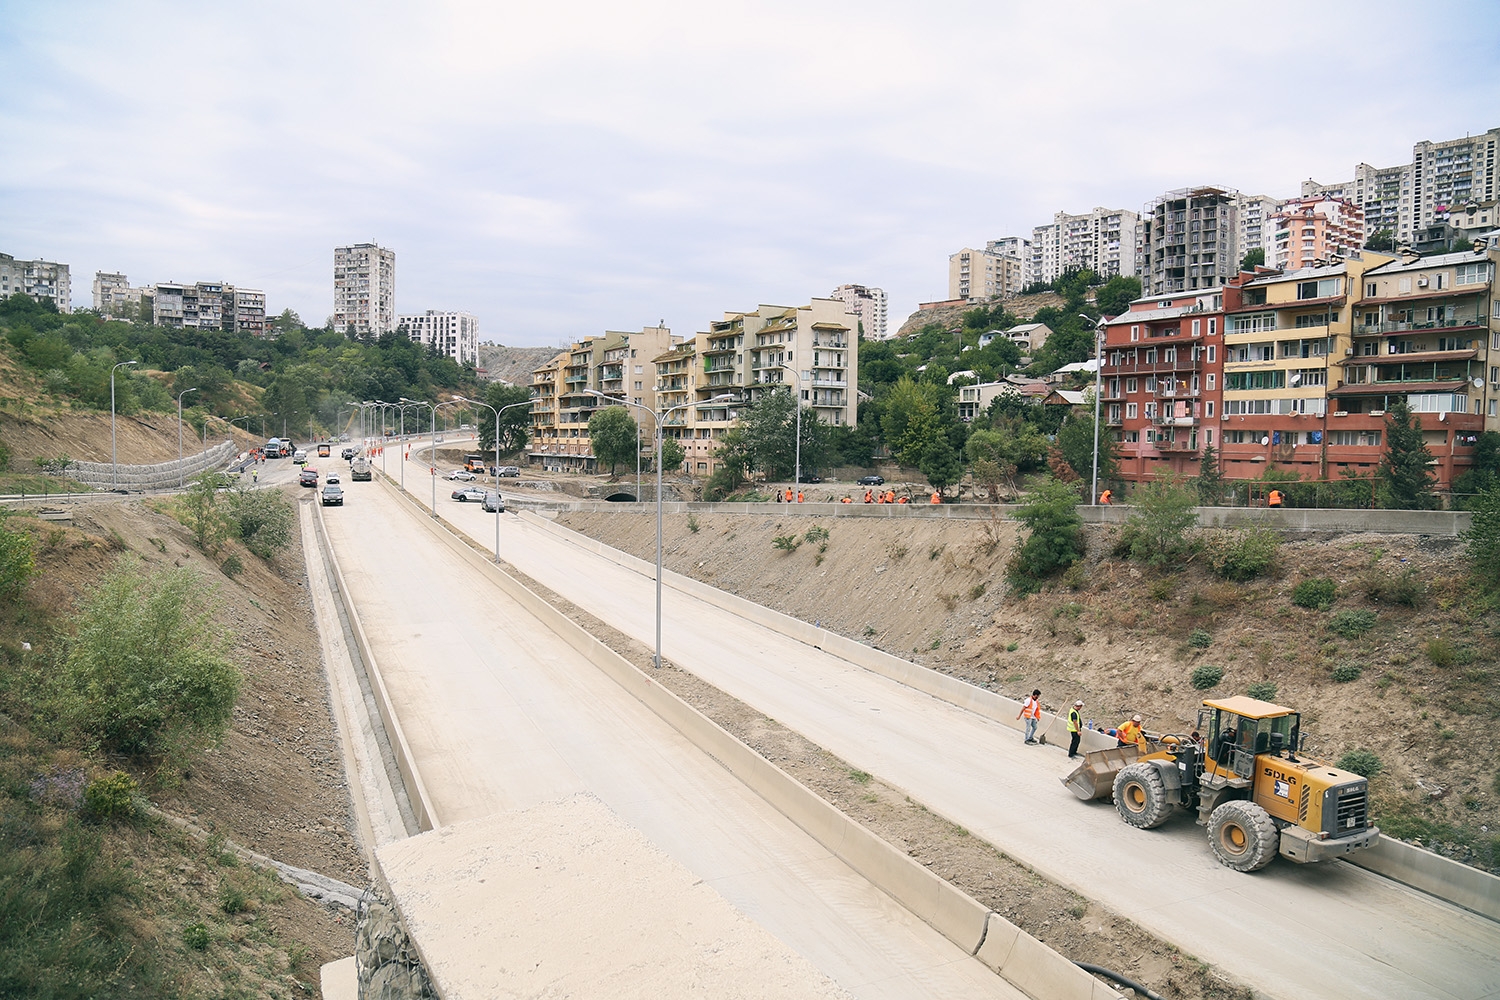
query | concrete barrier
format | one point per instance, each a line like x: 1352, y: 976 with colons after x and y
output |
x: 416, y: 791
x: 950, y: 911
x: 1433, y: 874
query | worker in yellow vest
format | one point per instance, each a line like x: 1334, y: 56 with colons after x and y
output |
x: 1131, y: 732
x: 1075, y: 728
x: 1031, y: 711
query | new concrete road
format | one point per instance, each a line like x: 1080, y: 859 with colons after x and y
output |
x: 501, y: 714
x: 1292, y: 931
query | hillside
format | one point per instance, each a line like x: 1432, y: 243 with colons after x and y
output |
x: 1424, y: 701
x: 952, y: 317
x: 514, y: 364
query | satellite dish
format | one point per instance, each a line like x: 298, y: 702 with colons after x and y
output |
x: 1477, y: 381
x: 1296, y: 377
x: 1442, y: 417
x: 1265, y: 440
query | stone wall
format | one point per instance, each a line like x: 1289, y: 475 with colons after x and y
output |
x: 163, y: 475
x: 388, y: 964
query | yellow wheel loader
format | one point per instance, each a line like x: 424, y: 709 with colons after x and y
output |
x: 1245, y: 781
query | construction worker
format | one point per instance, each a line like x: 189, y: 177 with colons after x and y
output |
x: 799, y: 496
x: 903, y: 500
x: 788, y: 494
x: 1131, y: 732
x: 1075, y: 728
x: 890, y: 496
x: 1031, y: 711
x: 1275, y: 499
x: 1106, y: 497
x: 869, y: 496
x: 846, y: 500
x: 936, y: 497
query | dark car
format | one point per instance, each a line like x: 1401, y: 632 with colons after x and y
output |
x: 469, y: 493
x: 333, y: 495
x: 349, y: 453
x: 494, y: 503
x: 308, y: 477
x: 871, y: 480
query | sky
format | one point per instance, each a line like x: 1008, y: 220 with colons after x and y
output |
x: 562, y: 169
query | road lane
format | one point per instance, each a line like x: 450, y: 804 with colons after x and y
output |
x: 1334, y: 931
x: 500, y: 714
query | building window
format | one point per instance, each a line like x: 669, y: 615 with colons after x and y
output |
x: 1210, y: 411
x: 1213, y: 327
x: 1211, y: 377
x: 1471, y: 274
x: 1211, y: 353
x: 1130, y: 411
x: 1197, y: 327
x: 1131, y: 385
x: 1135, y: 331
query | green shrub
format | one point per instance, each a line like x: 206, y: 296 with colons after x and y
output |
x: 232, y: 567
x: 4, y: 458
x: 143, y: 669
x: 196, y: 937
x: 1200, y: 638
x: 1352, y: 623
x: 1055, y: 538
x: 263, y: 519
x: 816, y: 534
x: 232, y: 899
x: 1244, y: 554
x: 1207, y: 675
x: 786, y: 543
x: 1440, y: 652
x: 17, y: 562
x: 1161, y: 521
x: 1404, y: 588
x: 1361, y: 762
x: 1347, y: 671
x: 1315, y: 592
x: 692, y: 523
x: 1263, y: 690
x: 111, y: 797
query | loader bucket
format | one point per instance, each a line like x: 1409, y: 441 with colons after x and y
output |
x: 1095, y: 777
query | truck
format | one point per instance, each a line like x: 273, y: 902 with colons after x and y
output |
x: 474, y: 464
x: 277, y: 448
x: 359, y: 470
x: 323, y: 449
x: 1244, y: 780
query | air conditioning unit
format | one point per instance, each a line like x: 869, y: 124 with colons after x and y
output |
x: 1421, y: 282
x: 1348, y: 352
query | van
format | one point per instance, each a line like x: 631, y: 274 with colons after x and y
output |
x: 299, y: 457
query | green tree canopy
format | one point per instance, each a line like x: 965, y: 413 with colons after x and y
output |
x: 940, y: 464
x: 912, y: 419
x: 1253, y: 259
x: 612, y: 433
x: 1075, y: 440
x: 1117, y: 294
x: 515, y: 423
x: 1405, y: 468
x: 769, y: 431
x: 1055, y: 539
x: 1382, y: 240
x: 672, y: 454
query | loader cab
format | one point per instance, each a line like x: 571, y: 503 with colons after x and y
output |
x: 1240, y: 729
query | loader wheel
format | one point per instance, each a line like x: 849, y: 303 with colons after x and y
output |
x: 1141, y: 797
x: 1242, y: 836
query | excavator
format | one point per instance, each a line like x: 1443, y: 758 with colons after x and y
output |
x: 1246, y: 782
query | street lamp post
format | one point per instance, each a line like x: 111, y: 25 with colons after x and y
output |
x: 496, y: 469
x: 797, y: 405
x: 660, y: 427
x: 433, y: 477
x: 1098, y: 392
x: 113, y: 462
x: 179, y: 433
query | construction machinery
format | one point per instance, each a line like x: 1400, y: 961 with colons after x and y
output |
x: 1245, y: 780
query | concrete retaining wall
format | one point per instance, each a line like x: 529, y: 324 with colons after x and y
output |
x: 955, y: 915
x: 1395, y: 522
x: 1431, y: 873
x: 163, y: 475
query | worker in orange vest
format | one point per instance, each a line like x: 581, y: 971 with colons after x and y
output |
x: 869, y: 496
x: 788, y: 494
x: 1275, y: 499
x: 890, y: 496
x: 936, y: 497
x: 846, y: 500
x: 1131, y: 732
x: 1106, y: 497
x: 1031, y: 711
x: 799, y: 496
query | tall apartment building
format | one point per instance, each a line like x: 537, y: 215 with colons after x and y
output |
x: 979, y: 274
x: 1256, y: 230
x: 617, y: 364
x: 113, y: 295
x: 455, y: 334
x: 1189, y: 241
x: 1450, y: 174
x: 1319, y: 228
x: 206, y: 305
x: 1161, y: 382
x: 1103, y: 241
x: 40, y: 279
x: 1017, y: 248
x: 364, y: 290
x: 869, y: 304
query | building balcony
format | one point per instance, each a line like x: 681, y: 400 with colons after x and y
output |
x: 1152, y: 367
x: 1168, y: 420
x: 1387, y: 328
x: 1181, y: 392
x: 830, y: 383
x: 1180, y: 446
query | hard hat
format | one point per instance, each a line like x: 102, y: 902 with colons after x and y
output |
x: 1135, y: 718
x: 1078, y: 704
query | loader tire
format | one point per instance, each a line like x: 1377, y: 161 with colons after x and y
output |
x: 1242, y: 836
x: 1141, y: 797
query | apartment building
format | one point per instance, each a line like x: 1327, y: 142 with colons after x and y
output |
x: 979, y: 274
x: 455, y: 334
x: 1161, y: 382
x: 614, y: 363
x: 1450, y: 174
x: 113, y: 295
x: 869, y: 304
x: 1103, y: 241
x: 43, y: 280
x: 1018, y: 248
x: 1317, y: 228
x: 1256, y: 229
x: 206, y: 305
x: 364, y: 290
x: 1189, y: 240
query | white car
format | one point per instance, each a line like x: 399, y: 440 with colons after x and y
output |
x: 462, y: 474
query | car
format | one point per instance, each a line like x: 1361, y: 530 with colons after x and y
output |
x: 812, y: 479
x: 464, y: 493
x: 462, y: 474
x: 308, y: 477
x: 333, y: 495
x: 509, y: 470
x: 871, y: 480
x: 494, y: 503
x: 299, y: 457
x: 333, y: 477
x: 343, y: 437
x: 349, y: 453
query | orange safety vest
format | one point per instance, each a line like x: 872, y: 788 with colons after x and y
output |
x: 1275, y: 499
x: 846, y: 500
x: 902, y: 500
x: 1031, y: 708
x: 869, y: 497
x: 1130, y: 732
x: 799, y: 496
x: 788, y: 494
x: 1106, y: 496
x: 890, y: 496
x: 937, y: 498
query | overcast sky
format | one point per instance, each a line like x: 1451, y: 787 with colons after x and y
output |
x: 563, y: 168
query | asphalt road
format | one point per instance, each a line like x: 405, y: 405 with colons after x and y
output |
x: 1292, y: 931
x: 500, y: 714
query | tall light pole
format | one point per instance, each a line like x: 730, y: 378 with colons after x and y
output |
x: 1098, y: 392
x: 660, y: 426
x: 496, y: 468
x: 179, y: 433
x: 797, y: 404
x: 113, y: 462
x: 433, y: 477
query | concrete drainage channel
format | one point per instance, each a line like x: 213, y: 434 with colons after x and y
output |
x: 1020, y: 959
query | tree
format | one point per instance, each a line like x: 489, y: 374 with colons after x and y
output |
x: 515, y: 423
x: 200, y: 506
x: 1055, y: 542
x: 612, y: 436
x: 1484, y: 472
x: 733, y: 456
x: 1404, y: 468
x: 16, y: 560
x: 940, y: 464
x: 264, y: 519
x: 1253, y: 259
x: 912, y: 419
x: 1075, y: 439
x: 1117, y: 294
x: 1482, y: 540
x: 1162, y: 515
x: 1381, y: 240
x: 1210, y: 481
x: 672, y: 454
x: 769, y: 431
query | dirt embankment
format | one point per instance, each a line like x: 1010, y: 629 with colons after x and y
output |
x: 1023, y: 307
